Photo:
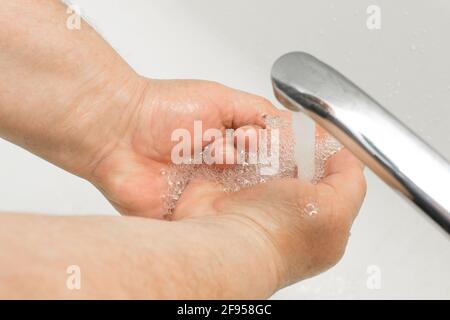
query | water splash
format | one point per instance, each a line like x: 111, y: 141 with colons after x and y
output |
x: 235, y: 177
x: 326, y: 146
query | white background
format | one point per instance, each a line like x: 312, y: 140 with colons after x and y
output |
x: 405, y: 66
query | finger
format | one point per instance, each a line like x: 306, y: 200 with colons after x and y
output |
x: 249, y: 109
x: 220, y: 153
x: 344, y: 174
x: 235, y: 150
x: 246, y: 142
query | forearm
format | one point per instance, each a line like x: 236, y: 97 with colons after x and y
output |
x: 58, y: 85
x: 131, y: 258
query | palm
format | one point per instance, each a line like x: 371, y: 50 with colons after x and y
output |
x: 280, y: 212
x: 130, y: 176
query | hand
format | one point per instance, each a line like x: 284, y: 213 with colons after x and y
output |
x: 129, y: 172
x: 302, y: 228
x: 222, y: 246
x: 70, y: 99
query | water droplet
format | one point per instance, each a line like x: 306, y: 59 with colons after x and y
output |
x: 311, y: 209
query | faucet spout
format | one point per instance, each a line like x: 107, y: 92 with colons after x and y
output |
x: 390, y: 149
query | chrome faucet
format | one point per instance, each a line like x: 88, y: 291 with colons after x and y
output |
x: 398, y: 156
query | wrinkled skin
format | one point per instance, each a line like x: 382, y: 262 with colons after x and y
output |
x: 274, y: 212
x: 130, y: 172
x: 70, y: 99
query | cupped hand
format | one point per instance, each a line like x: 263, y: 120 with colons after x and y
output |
x: 129, y: 171
x: 300, y: 228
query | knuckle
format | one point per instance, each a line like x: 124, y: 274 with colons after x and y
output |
x: 213, y: 85
x: 264, y: 103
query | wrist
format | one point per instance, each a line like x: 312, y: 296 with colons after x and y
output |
x: 98, y: 120
x: 65, y: 96
x: 247, y: 264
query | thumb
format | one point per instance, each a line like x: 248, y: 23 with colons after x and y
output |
x: 344, y: 175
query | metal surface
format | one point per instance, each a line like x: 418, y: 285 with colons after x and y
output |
x: 402, y: 159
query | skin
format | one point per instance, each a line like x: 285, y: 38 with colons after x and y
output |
x: 69, y: 98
